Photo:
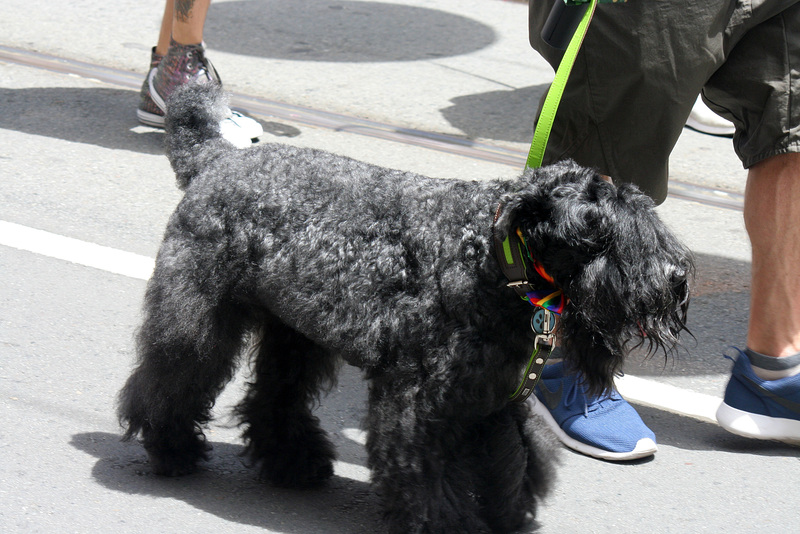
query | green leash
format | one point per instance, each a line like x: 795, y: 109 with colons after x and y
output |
x: 545, y: 123
x: 543, y: 327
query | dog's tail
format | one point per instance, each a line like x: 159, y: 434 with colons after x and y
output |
x: 194, y: 112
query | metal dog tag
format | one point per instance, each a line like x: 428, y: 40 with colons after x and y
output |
x: 543, y: 321
x: 543, y: 324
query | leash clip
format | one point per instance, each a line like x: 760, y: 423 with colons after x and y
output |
x: 543, y: 324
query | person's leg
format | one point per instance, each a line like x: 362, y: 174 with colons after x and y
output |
x: 772, y: 219
x: 621, y: 113
x: 758, y: 90
x: 189, y: 19
x: 183, y: 21
x: 179, y: 58
x: 165, y: 34
x: 762, y: 398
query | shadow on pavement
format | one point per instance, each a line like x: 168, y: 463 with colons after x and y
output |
x: 692, y: 434
x: 504, y: 115
x: 342, y: 31
x: 97, y: 116
x: 227, y: 488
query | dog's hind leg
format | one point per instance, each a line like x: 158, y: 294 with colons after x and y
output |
x: 283, y: 437
x: 187, y: 347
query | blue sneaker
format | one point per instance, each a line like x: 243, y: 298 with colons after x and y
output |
x: 603, y: 427
x: 760, y: 409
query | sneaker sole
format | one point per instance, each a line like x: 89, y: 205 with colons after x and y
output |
x: 644, y: 447
x: 756, y: 426
x: 150, y: 119
x: 145, y: 117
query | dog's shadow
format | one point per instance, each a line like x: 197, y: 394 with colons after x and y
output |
x: 228, y: 488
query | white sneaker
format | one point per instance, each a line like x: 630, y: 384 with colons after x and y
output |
x: 240, y: 130
x: 706, y: 121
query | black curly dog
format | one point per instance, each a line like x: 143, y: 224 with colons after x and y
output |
x: 309, y: 258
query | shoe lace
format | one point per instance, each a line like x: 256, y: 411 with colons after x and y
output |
x: 739, y: 354
x: 205, y: 68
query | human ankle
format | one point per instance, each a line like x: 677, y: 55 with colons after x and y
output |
x: 772, y: 367
x: 175, y: 44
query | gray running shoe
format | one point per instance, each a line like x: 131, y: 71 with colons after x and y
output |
x: 188, y: 64
x: 181, y: 65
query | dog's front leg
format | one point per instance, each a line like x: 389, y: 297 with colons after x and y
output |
x: 514, y: 458
x: 413, y: 446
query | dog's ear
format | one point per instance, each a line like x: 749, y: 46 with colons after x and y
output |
x: 561, y: 212
x: 527, y: 204
x: 514, y: 210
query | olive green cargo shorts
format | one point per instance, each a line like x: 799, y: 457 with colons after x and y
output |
x: 642, y: 66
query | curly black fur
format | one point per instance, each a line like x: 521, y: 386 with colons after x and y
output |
x: 626, y: 276
x: 324, y: 259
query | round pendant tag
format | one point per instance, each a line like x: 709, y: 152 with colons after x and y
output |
x: 543, y: 321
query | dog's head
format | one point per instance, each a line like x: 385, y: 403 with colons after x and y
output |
x: 626, y: 277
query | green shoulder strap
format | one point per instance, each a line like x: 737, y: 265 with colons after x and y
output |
x: 553, y: 98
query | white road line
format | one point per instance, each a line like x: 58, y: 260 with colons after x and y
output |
x: 637, y: 390
x: 351, y: 471
x: 669, y: 398
x: 356, y: 435
x: 76, y: 251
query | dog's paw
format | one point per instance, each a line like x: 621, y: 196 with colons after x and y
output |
x: 296, y: 456
x: 300, y: 473
x: 172, y: 466
x: 171, y: 460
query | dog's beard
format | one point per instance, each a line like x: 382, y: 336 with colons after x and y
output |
x: 618, y: 304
